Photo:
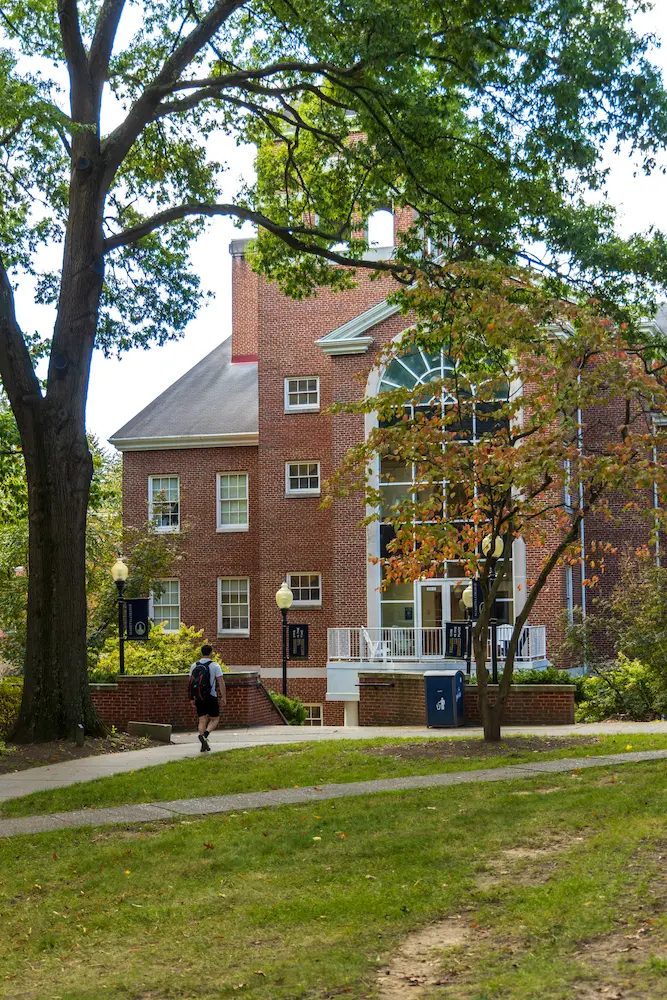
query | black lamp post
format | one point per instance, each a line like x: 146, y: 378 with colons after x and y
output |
x: 466, y: 601
x: 120, y: 573
x: 284, y: 598
x: 493, y: 621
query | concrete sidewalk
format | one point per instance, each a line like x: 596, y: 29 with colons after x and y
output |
x: 152, y: 811
x: 37, y: 779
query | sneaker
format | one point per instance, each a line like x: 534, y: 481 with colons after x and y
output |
x: 204, y: 743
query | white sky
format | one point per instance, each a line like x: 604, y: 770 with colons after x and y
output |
x: 119, y: 388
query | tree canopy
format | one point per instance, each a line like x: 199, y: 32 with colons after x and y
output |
x: 490, y: 120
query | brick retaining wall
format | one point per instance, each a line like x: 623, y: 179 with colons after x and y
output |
x: 403, y: 704
x: 164, y: 698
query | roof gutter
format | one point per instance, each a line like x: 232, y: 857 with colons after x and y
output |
x: 242, y: 440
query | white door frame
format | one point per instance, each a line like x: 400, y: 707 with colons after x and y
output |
x: 442, y: 583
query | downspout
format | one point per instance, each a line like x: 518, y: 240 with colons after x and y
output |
x: 656, y: 507
x: 569, y: 584
x: 582, y: 530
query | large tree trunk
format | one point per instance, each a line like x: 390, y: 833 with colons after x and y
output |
x: 491, y: 714
x: 56, y: 697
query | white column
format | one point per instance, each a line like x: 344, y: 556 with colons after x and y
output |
x: 351, y: 709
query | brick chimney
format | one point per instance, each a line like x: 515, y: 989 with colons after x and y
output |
x: 245, y: 306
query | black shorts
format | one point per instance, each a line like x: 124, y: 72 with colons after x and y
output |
x: 208, y: 706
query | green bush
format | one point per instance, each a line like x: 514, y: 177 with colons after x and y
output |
x: 162, y: 653
x: 551, y: 675
x: 11, y: 689
x: 292, y: 708
x: 628, y: 689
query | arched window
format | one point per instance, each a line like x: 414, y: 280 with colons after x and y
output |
x: 399, y: 480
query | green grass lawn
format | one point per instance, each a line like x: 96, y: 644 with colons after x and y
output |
x: 262, y: 768
x: 308, y: 903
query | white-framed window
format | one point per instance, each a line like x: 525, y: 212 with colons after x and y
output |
x: 234, y: 605
x: 307, y: 589
x: 164, y: 502
x: 232, y: 501
x: 313, y: 715
x: 302, y: 479
x: 166, y: 606
x: 302, y: 394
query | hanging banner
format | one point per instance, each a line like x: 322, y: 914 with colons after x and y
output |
x: 297, y: 642
x: 456, y: 636
x: 477, y: 599
x: 136, y: 617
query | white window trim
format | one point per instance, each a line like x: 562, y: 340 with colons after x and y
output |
x: 172, y: 529
x: 303, y: 407
x: 303, y: 493
x: 218, y: 502
x: 239, y: 633
x: 315, y: 704
x: 305, y: 604
x: 151, y: 602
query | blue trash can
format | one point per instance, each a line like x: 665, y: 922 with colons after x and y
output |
x: 444, y: 698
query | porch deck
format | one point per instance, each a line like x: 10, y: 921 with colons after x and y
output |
x: 399, y: 645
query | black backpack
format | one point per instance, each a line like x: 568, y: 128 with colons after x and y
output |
x: 199, y: 685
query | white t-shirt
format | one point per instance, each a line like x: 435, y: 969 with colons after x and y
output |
x: 214, y: 670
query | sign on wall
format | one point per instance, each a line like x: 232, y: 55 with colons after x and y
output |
x: 136, y: 618
x: 297, y: 642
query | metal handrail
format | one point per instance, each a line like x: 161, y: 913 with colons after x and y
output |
x: 364, y: 644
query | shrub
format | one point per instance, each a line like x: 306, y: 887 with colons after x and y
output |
x: 162, y: 653
x: 292, y: 708
x: 627, y: 689
x: 551, y: 675
x: 11, y: 689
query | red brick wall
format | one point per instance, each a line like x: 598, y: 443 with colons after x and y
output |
x: 391, y: 700
x: 164, y: 698
x: 296, y: 534
x: 245, y: 307
x: 528, y: 705
x: 403, y: 703
x: 209, y: 554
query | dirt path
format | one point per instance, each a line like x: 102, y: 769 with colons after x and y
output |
x: 20, y: 758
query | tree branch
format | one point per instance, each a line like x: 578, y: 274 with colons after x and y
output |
x: 241, y: 76
x: 77, y: 62
x: 16, y: 371
x: 140, y: 114
x: 285, y: 233
x: 102, y: 45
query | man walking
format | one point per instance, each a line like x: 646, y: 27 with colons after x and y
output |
x: 206, y: 690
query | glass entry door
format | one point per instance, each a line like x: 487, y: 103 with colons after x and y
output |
x: 439, y: 602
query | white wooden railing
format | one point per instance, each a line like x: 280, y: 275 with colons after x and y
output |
x: 385, y: 645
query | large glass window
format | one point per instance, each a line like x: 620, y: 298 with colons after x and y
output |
x: 164, y: 502
x: 399, y: 481
x: 166, y: 605
x: 234, y: 605
x: 232, y: 501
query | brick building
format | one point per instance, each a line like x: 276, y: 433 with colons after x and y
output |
x: 233, y: 455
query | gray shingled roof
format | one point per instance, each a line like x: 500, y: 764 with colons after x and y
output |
x: 213, y: 398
